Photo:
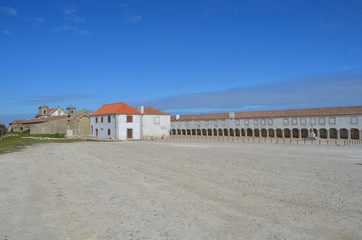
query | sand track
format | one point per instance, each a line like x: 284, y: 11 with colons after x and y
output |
x: 181, y: 190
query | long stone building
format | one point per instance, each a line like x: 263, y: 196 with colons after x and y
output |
x: 325, y: 123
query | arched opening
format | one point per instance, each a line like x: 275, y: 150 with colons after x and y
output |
x: 215, y: 132
x: 271, y: 132
x: 304, y: 132
x: 209, y: 132
x: 343, y: 133
x: 295, y: 133
x: 249, y: 132
x: 286, y: 132
x: 323, y: 133
x: 204, y: 133
x: 178, y: 132
x: 183, y: 132
x: 237, y: 132
x: 226, y: 132
x: 173, y: 131
x: 354, y: 133
x: 333, y: 133
x: 220, y: 132
x: 264, y: 132
x: 315, y: 132
x: 188, y: 131
x: 231, y: 132
x: 256, y: 132
x: 193, y: 132
x: 243, y: 132
x: 198, y: 132
x: 279, y: 133
x: 84, y: 126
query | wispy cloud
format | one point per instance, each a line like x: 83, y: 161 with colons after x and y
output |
x: 9, y: 11
x: 338, y: 89
x: 66, y: 28
x: 5, y: 32
x: 128, y: 15
x: 70, y: 13
x: 47, y: 99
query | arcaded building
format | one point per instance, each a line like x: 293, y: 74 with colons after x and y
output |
x: 326, y: 123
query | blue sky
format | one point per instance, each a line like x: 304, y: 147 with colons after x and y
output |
x: 180, y: 56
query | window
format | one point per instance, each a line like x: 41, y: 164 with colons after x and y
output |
x: 101, y: 119
x: 354, y: 120
x: 286, y: 121
x: 256, y: 121
x: 237, y: 122
x: 303, y: 121
x: 311, y: 120
x: 332, y: 120
x: 322, y: 121
x: 109, y: 118
x: 270, y: 121
x: 109, y: 132
x: 96, y: 119
x: 262, y: 122
x: 157, y: 120
x: 215, y: 122
x: 246, y: 122
x: 294, y: 121
x: 129, y: 119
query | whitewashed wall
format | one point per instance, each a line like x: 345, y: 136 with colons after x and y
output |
x: 155, y: 126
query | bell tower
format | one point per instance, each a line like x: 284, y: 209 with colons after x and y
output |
x: 43, y: 111
x: 70, y: 110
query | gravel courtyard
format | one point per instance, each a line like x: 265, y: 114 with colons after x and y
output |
x: 181, y: 190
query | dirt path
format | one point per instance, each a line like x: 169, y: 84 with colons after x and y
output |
x: 181, y: 190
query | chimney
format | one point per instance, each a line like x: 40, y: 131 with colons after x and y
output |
x: 141, y: 109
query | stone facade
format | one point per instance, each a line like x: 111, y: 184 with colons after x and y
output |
x: 73, y: 123
x: 326, y: 123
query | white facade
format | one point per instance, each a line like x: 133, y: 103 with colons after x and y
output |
x: 155, y: 126
x: 112, y: 126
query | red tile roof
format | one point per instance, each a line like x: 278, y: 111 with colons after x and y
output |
x: 153, y: 111
x: 276, y: 113
x: 115, y: 108
x: 38, y: 120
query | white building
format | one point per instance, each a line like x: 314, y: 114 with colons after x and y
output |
x: 121, y: 121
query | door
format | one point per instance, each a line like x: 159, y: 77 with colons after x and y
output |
x: 129, y: 133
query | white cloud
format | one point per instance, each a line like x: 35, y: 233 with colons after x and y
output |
x: 9, y: 11
x: 128, y: 15
x: 66, y: 28
x: 5, y: 32
x: 71, y: 14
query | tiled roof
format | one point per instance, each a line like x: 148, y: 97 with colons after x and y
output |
x: 153, y: 111
x: 115, y: 108
x: 277, y: 113
x: 38, y: 120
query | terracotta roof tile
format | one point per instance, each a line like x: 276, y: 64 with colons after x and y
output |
x: 277, y: 113
x: 115, y: 108
x: 153, y: 111
x: 38, y: 120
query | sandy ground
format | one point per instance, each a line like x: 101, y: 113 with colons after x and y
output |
x: 181, y: 190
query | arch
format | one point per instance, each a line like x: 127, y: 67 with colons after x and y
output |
x: 287, y: 133
x: 198, y: 132
x: 226, y: 132
x: 354, y: 133
x: 264, y: 132
x: 295, y: 133
x: 237, y: 132
x: 173, y: 131
x: 256, y: 132
x: 193, y: 132
x: 220, y: 133
x: 323, y: 133
x: 231, y: 132
x: 249, y: 132
x: 204, y: 132
x: 243, y: 132
x: 271, y: 132
x: 209, y: 132
x: 84, y: 126
x: 188, y: 132
x: 304, y: 132
x: 279, y: 133
x: 315, y: 132
x: 343, y: 133
x: 183, y: 132
x: 333, y: 134
x: 215, y: 132
x: 178, y: 131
